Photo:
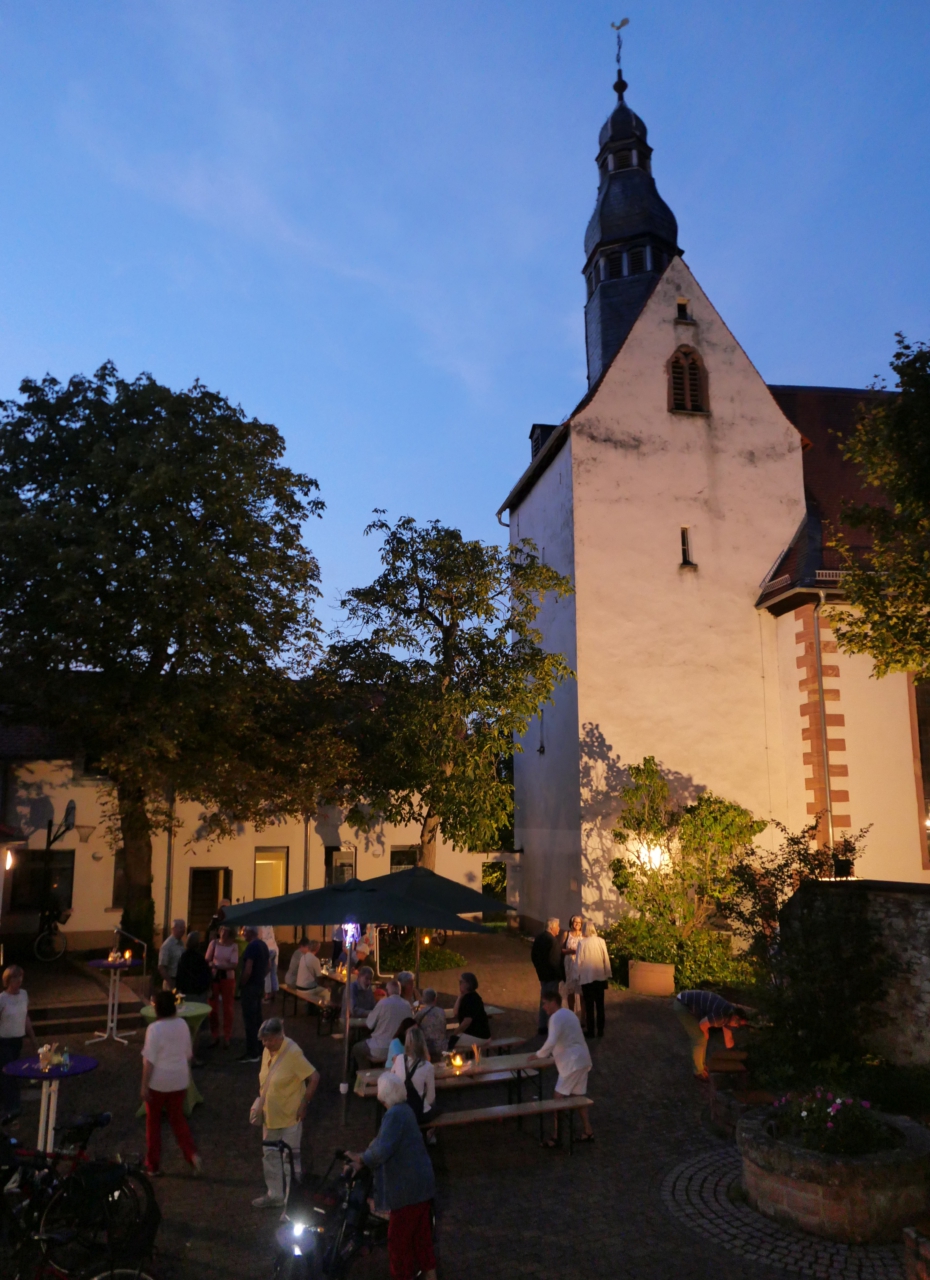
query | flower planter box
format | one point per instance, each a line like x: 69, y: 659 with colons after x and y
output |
x: 648, y: 979
x: 855, y: 1199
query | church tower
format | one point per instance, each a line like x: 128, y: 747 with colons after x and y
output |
x: 631, y: 238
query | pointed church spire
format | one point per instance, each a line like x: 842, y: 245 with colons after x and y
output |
x: 632, y: 234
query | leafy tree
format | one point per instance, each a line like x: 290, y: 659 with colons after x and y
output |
x: 765, y: 879
x: 888, y: 584
x: 156, y: 603
x: 677, y: 871
x: 446, y: 669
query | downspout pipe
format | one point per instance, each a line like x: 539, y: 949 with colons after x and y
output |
x: 169, y: 865
x: 818, y: 655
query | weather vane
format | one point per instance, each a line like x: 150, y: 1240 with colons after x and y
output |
x: 618, y: 27
x: 620, y: 85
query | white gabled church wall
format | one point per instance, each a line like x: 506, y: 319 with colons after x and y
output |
x: 671, y: 662
x: 546, y: 783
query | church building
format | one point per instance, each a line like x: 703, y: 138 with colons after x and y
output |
x: 691, y: 506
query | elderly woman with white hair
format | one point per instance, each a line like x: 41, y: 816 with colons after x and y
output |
x: 404, y: 1182
x: 592, y: 965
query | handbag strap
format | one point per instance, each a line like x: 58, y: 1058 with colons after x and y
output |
x: 263, y: 1091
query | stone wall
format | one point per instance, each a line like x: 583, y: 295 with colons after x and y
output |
x: 901, y: 911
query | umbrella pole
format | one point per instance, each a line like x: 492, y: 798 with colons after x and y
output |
x: 417, y: 979
x: 346, y: 1018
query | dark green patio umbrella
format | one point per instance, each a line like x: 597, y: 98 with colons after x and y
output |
x: 418, y: 884
x: 356, y: 901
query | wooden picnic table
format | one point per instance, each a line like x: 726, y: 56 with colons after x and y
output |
x: 516, y: 1066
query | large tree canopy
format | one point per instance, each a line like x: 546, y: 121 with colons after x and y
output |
x: 444, y: 668
x: 889, y: 584
x: 156, y: 601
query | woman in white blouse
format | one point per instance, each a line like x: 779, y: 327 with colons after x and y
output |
x: 414, y: 1065
x: 592, y: 964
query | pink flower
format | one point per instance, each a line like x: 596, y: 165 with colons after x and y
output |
x: 829, y: 1097
x: 866, y: 1104
x: 829, y: 1125
x: 849, y: 1102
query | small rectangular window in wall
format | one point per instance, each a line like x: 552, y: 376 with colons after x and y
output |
x: 339, y: 863
x: 404, y: 856
x: 270, y: 871
x: 687, y: 561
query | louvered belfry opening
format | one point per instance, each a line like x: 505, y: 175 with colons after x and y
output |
x: 687, y: 382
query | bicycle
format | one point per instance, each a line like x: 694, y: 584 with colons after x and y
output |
x: 95, y: 1211
x: 50, y: 944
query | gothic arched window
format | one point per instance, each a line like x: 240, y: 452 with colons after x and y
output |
x: 687, y: 382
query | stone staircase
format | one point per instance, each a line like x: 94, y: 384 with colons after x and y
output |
x: 73, y: 1018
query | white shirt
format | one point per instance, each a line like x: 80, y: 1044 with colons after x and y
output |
x: 385, y: 1018
x: 168, y: 1048
x: 169, y: 953
x: 13, y: 1010
x: 592, y: 962
x: 423, y: 1079
x: 304, y: 970
x: 266, y: 933
x: 566, y: 1043
x: 571, y: 947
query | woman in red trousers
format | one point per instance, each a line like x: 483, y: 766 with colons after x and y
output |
x: 222, y: 957
x: 166, y: 1073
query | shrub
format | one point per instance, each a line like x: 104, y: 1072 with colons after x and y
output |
x: 824, y: 1121
x: 432, y: 959
x: 703, y: 956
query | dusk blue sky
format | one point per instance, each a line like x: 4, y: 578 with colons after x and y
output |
x: 364, y: 221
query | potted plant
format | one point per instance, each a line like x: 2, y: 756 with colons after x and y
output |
x: 675, y: 874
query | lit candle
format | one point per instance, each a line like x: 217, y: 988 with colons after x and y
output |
x: 127, y: 955
x: 457, y: 1060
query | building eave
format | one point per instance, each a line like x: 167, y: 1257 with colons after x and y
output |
x: 796, y: 594
x: 536, y: 468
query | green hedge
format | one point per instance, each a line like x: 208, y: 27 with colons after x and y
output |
x: 705, y: 956
x: 432, y: 959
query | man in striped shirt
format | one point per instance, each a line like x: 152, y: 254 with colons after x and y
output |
x: 701, y: 1010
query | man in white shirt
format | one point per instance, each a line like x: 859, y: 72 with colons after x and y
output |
x: 305, y: 969
x: 170, y: 953
x: 566, y: 1044
x: 382, y: 1022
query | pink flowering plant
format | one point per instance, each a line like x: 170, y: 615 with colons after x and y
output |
x: 833, y: 1122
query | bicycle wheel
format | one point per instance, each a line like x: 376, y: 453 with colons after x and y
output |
x: 50, y: 946
x: 84, y: 1219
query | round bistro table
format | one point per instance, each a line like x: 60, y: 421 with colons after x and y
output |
x: 193, y: 1014
x: 29, y: 1069
x: 115, y: 967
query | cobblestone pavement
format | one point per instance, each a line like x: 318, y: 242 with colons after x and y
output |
x: 705, y: 1193
x: 506, y: 1206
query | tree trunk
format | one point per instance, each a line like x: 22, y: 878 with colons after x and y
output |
x: 139, y: 909
x: 428, y: 833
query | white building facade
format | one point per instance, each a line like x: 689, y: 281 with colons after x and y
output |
x: 679, y: 484
x: 190, y: 874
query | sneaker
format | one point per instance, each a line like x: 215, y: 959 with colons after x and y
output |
x: 268, y: 1202
x: 150, y: 1172
x: 197, y: 1165
x: 246, y: 1058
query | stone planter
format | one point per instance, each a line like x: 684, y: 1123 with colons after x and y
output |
x: 648, y: 979
x: 856, y: 1199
